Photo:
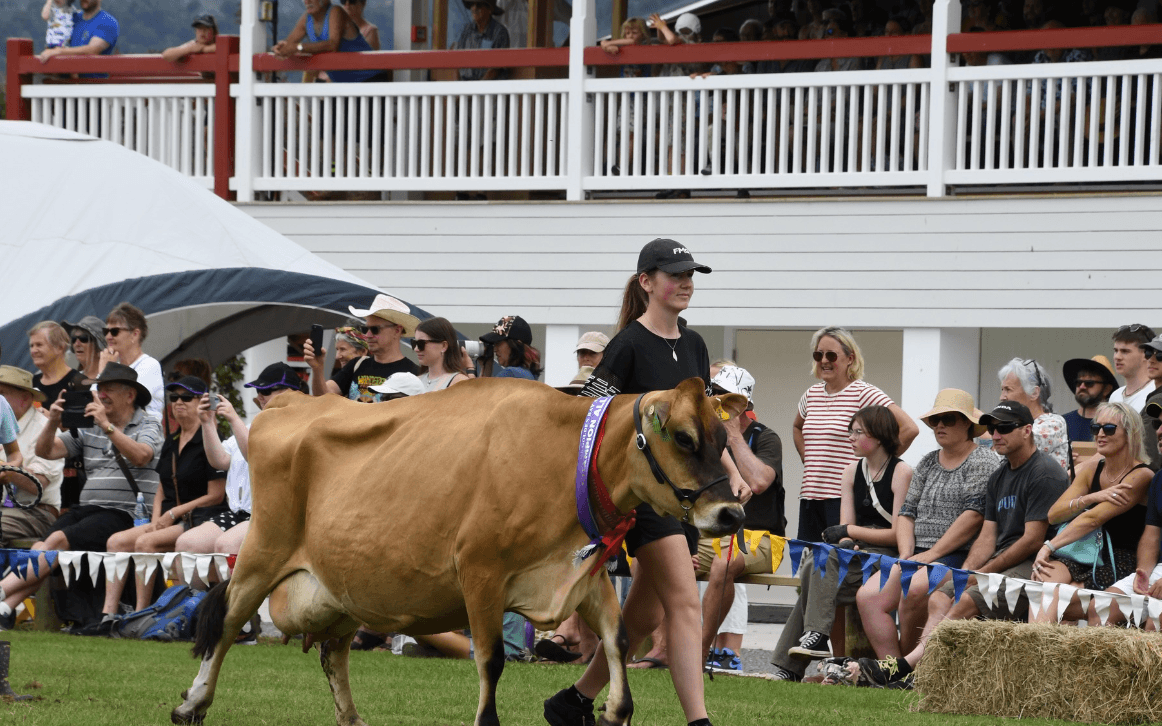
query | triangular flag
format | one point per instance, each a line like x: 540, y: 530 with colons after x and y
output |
x: 1155, y: 608
x: 1138, y: 604
x: 203, y: 564
x: 844, y: 557
x: 907, y: 572
x: 778, y: 545
x: 886, y: 564
x: 50, y: 556
x: 120, y: 561
x: 189, y: 564
x: 1124, y: 604
x: 1083, y: 597
x: 959, y: 582
x: 221, y: 563
x: 936, y: 574
x: 1012, y: 590
x: 1048, y: 593
x: 870, y: 563
x: 171, y: 565
x: 94, y: 561
x: 820, y: 554
x: 144, y: 564
x: 67, y: 559
x: 796, y: 548
x: 1033, y: 592
x: 1101, y: 601
x: 1064, y: 596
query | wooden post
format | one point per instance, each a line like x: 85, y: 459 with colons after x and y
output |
x: 440, y: 25
x: 226, y: 46
x: 18, y: 109
x: 620, y: 15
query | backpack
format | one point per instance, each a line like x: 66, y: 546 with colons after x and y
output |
x: 170, y: 618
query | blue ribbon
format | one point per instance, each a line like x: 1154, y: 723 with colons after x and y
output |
x: 870, y: 564
x: 796, y: 551
x: 907, y: 570
x: 820, y: 552
x: 936, y: 573
x: 844, y: 557
x: 886, y: 563
x: 959, y: 582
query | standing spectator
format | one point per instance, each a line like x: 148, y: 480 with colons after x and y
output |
x: 326, y: 28
x: 1150, y: 424
x: 387, y: 320
x: 125, y: 331
x: 439, y: 354
x: 349, y: 345
x: 47, y: 344
x: 121, y: 432
x: 59, y: 16
x: 88, y: 341
x: 15, y: 523
x: 94, y: 32
x: 516, y: 357
x: 590, y: 348
x: 838, y: 25
x: 816, y: 26
x: 368, y: 29
x: 484, y: 32
x: 1092, y: 381
x: 1130, y: 362
x: 821, y: 426
x: 205, y: 40
x: 1027, y: 382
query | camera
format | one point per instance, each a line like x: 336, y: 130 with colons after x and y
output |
x: 73, y: 416
x: 475, y: 348
x: 214, y: 401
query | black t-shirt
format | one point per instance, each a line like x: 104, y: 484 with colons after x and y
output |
x: 637, y: 361
x: 194, y: 471
x: 71, y: 380
x: 866, y: 514
x: 766, y: 511
x: 1025, y: 494
x: 358, y: 376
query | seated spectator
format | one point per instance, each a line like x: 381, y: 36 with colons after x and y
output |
x: 10, y: 435
x: 1107, y: 494
x: 1144, y: 16
x: 16, y: 523
x: 1034, y: 14
x: 484, y: 32
x: 125, y: 331
x: 757, y: 451
x: 1130, y: 363
x: 205, y: 40
x: 590, y: 348
x: 349, y: 345
x: 326, y: 28
x: 786, y: 30
x: 895, y: 27
x: 816, y: 27
x: 1016, y: 521
x: 59, y: 16
x: 512, y: 339
x: 938, y: 520
x: 439, y: 354
x: 1153, y: 353
x: 838, y: 26
x: 1092, y: 381
x: 94, y: 32
x: 88, y: 341
x: 387, y: 321
x: 47, y: 344
x: 1114, y: 15
x: 977, y: 58
x: 191, y: 492
x: 751, y: 31
x: 368, y: 29
x: 122, y: 431
x: 873, y: 489
x: 1027, y: 382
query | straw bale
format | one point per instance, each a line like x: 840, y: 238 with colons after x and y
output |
x: 999, y: 668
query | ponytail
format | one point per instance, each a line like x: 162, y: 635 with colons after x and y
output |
x: 633, y: 302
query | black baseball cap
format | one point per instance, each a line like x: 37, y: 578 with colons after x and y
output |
x: 205, y: 21
x: 668, y: 256
x: 193, y: 384
x: 278, y: 375
x: 512, y: 327
x: 1008, y: 412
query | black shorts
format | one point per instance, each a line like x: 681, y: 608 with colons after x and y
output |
x: 201, y: 515
x: 89, y: 527
x: 652, y: 526
x: 229, y: 519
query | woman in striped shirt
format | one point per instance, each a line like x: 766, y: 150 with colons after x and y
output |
x: 821, y: 426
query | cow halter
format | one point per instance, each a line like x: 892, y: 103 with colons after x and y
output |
x: 686, y: 497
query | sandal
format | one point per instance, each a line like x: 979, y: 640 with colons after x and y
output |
x: 549, y: 649
x: 367, y: 640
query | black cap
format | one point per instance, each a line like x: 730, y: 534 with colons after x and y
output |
x: 1154, y: 409
x: 193, y: 384
x: 668, y: 256
x: 277, y: 375
x: 512, y: 327
x: 121, y: 373
x: 205, y: 21
x: 1008, y: 412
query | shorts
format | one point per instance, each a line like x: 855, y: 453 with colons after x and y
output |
x: 652, y: 526
x: 229, y: 518
x: 758, y: 560
x: 1102, y: 576
x: 956, y: 559
x: 1003, y: 611
x: 89, y: 527
x: 1126, y: 584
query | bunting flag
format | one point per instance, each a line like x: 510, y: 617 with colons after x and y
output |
x: 1083, y: 598
x: 1138, y: 605
x: 1065, y: 595
x: 844, y: 558
x: 907, y: 572
x: 1155, y: 608
x: 820, y: 553
x: 870, y: 564
x: 1033, y: 592
x: 1101, y: 601
x: 886, y: 563
x: 796, y: 548
x: 959, y: 582
x: 936, y: 574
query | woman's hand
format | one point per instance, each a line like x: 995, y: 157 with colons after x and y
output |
x: 1118, y: 495
x: 204, y: 413
x: 109, y: 356
x: 1041, y: 563
x: 313, y: 358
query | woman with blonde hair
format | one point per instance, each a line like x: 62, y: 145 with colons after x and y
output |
x: 820, y: 428
x: 47, y: 344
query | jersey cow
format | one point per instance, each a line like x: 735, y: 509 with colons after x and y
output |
x: 426, y: 514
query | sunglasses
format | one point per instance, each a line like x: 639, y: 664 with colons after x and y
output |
x: 183, y: 397
x: 113, y: 331
x: 373, y: 329
x: 419, y: 344
x: 82, y: 338
x: 1136, y: 327
x: 947, y: 419
x: 1087, y: 384
x: 1108, y: 429
x: 1032, y: 362
x: 1149, y: 353
x: 831, y: 356
x: 1004, y: 429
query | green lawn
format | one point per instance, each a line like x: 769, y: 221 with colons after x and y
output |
x: 96, y: 681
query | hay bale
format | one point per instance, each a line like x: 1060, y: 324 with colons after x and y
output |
x: 997, y: 668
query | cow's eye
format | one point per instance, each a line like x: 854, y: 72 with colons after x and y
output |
x: 683, y: 439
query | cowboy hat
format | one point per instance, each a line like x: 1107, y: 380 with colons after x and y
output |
x: 388, y: 308
x: 496, y: 9
x: 954, y: 400
x: 1098, y: 364
x: 121, y: 373
x: 22, y: 379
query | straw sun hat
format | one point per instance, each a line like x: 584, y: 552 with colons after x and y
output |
x: 954, y: 400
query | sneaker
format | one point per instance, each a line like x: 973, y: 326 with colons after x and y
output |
x: 906, y: 683
x: 812, y: 644
x: 727, y: 662
x: 419, y: 650
x: 879, y: 673
x: 8, y: 622
x: 250, y: 631
x: 782, y: 674
x: 566, y: 709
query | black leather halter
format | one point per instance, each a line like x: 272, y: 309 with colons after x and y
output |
x: 686, y: 497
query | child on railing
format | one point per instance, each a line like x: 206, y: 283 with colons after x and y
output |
x: 59, y: 16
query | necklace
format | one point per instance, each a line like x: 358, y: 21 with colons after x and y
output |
x: 673, y: 347
x: 867, y: 471
x: 1114, y: 479
x: 1129, y: 394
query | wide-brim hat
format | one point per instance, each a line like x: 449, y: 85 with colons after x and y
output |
x: 954, y: 400
x: 22, y: 379
x: 496, y: 9
x: 121, y: 373
x: 388, y: 308
x: 1098, y: 364
x: 574, y: 386
x: 92, y: 325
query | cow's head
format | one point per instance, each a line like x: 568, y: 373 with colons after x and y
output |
x: 679, y: 448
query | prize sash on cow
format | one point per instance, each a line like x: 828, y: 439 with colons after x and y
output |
x: 592, y: 432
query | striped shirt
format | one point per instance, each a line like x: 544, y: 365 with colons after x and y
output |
x: 827, y: 447
x: 105, y: 485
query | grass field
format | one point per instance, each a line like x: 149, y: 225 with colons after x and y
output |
x: 97, y: 681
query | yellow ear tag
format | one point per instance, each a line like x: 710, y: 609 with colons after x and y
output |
x: 722, y: 413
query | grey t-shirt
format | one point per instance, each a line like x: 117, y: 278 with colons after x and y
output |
x: 937, y: 496
x: 1025, y: 494
x: 105, y: 485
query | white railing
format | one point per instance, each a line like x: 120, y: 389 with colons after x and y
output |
x: 850, y: 128
x: 1059, y: 122
x: 412, y: 136
x: 170, y: 123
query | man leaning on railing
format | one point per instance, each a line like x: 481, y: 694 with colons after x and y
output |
x: 484, y: 32
x: 95, y: 32
x: 326, y: 28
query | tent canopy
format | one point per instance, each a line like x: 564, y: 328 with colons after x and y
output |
x: 89, y: 224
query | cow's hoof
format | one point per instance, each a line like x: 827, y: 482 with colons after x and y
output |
x: 188, y: 716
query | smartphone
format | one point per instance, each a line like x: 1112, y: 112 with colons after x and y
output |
x: 214, y: 401
x: 317, y: 338
x: 73, y: 417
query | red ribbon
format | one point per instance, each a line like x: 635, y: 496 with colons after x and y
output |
x: 611, y: 541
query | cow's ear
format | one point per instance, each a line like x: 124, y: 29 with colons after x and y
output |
x: 729, y: 405
x: 658, y: 414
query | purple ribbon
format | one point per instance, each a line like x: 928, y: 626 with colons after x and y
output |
x: 584, y: 454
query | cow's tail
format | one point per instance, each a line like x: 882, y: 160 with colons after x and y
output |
x: 210, y: 617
